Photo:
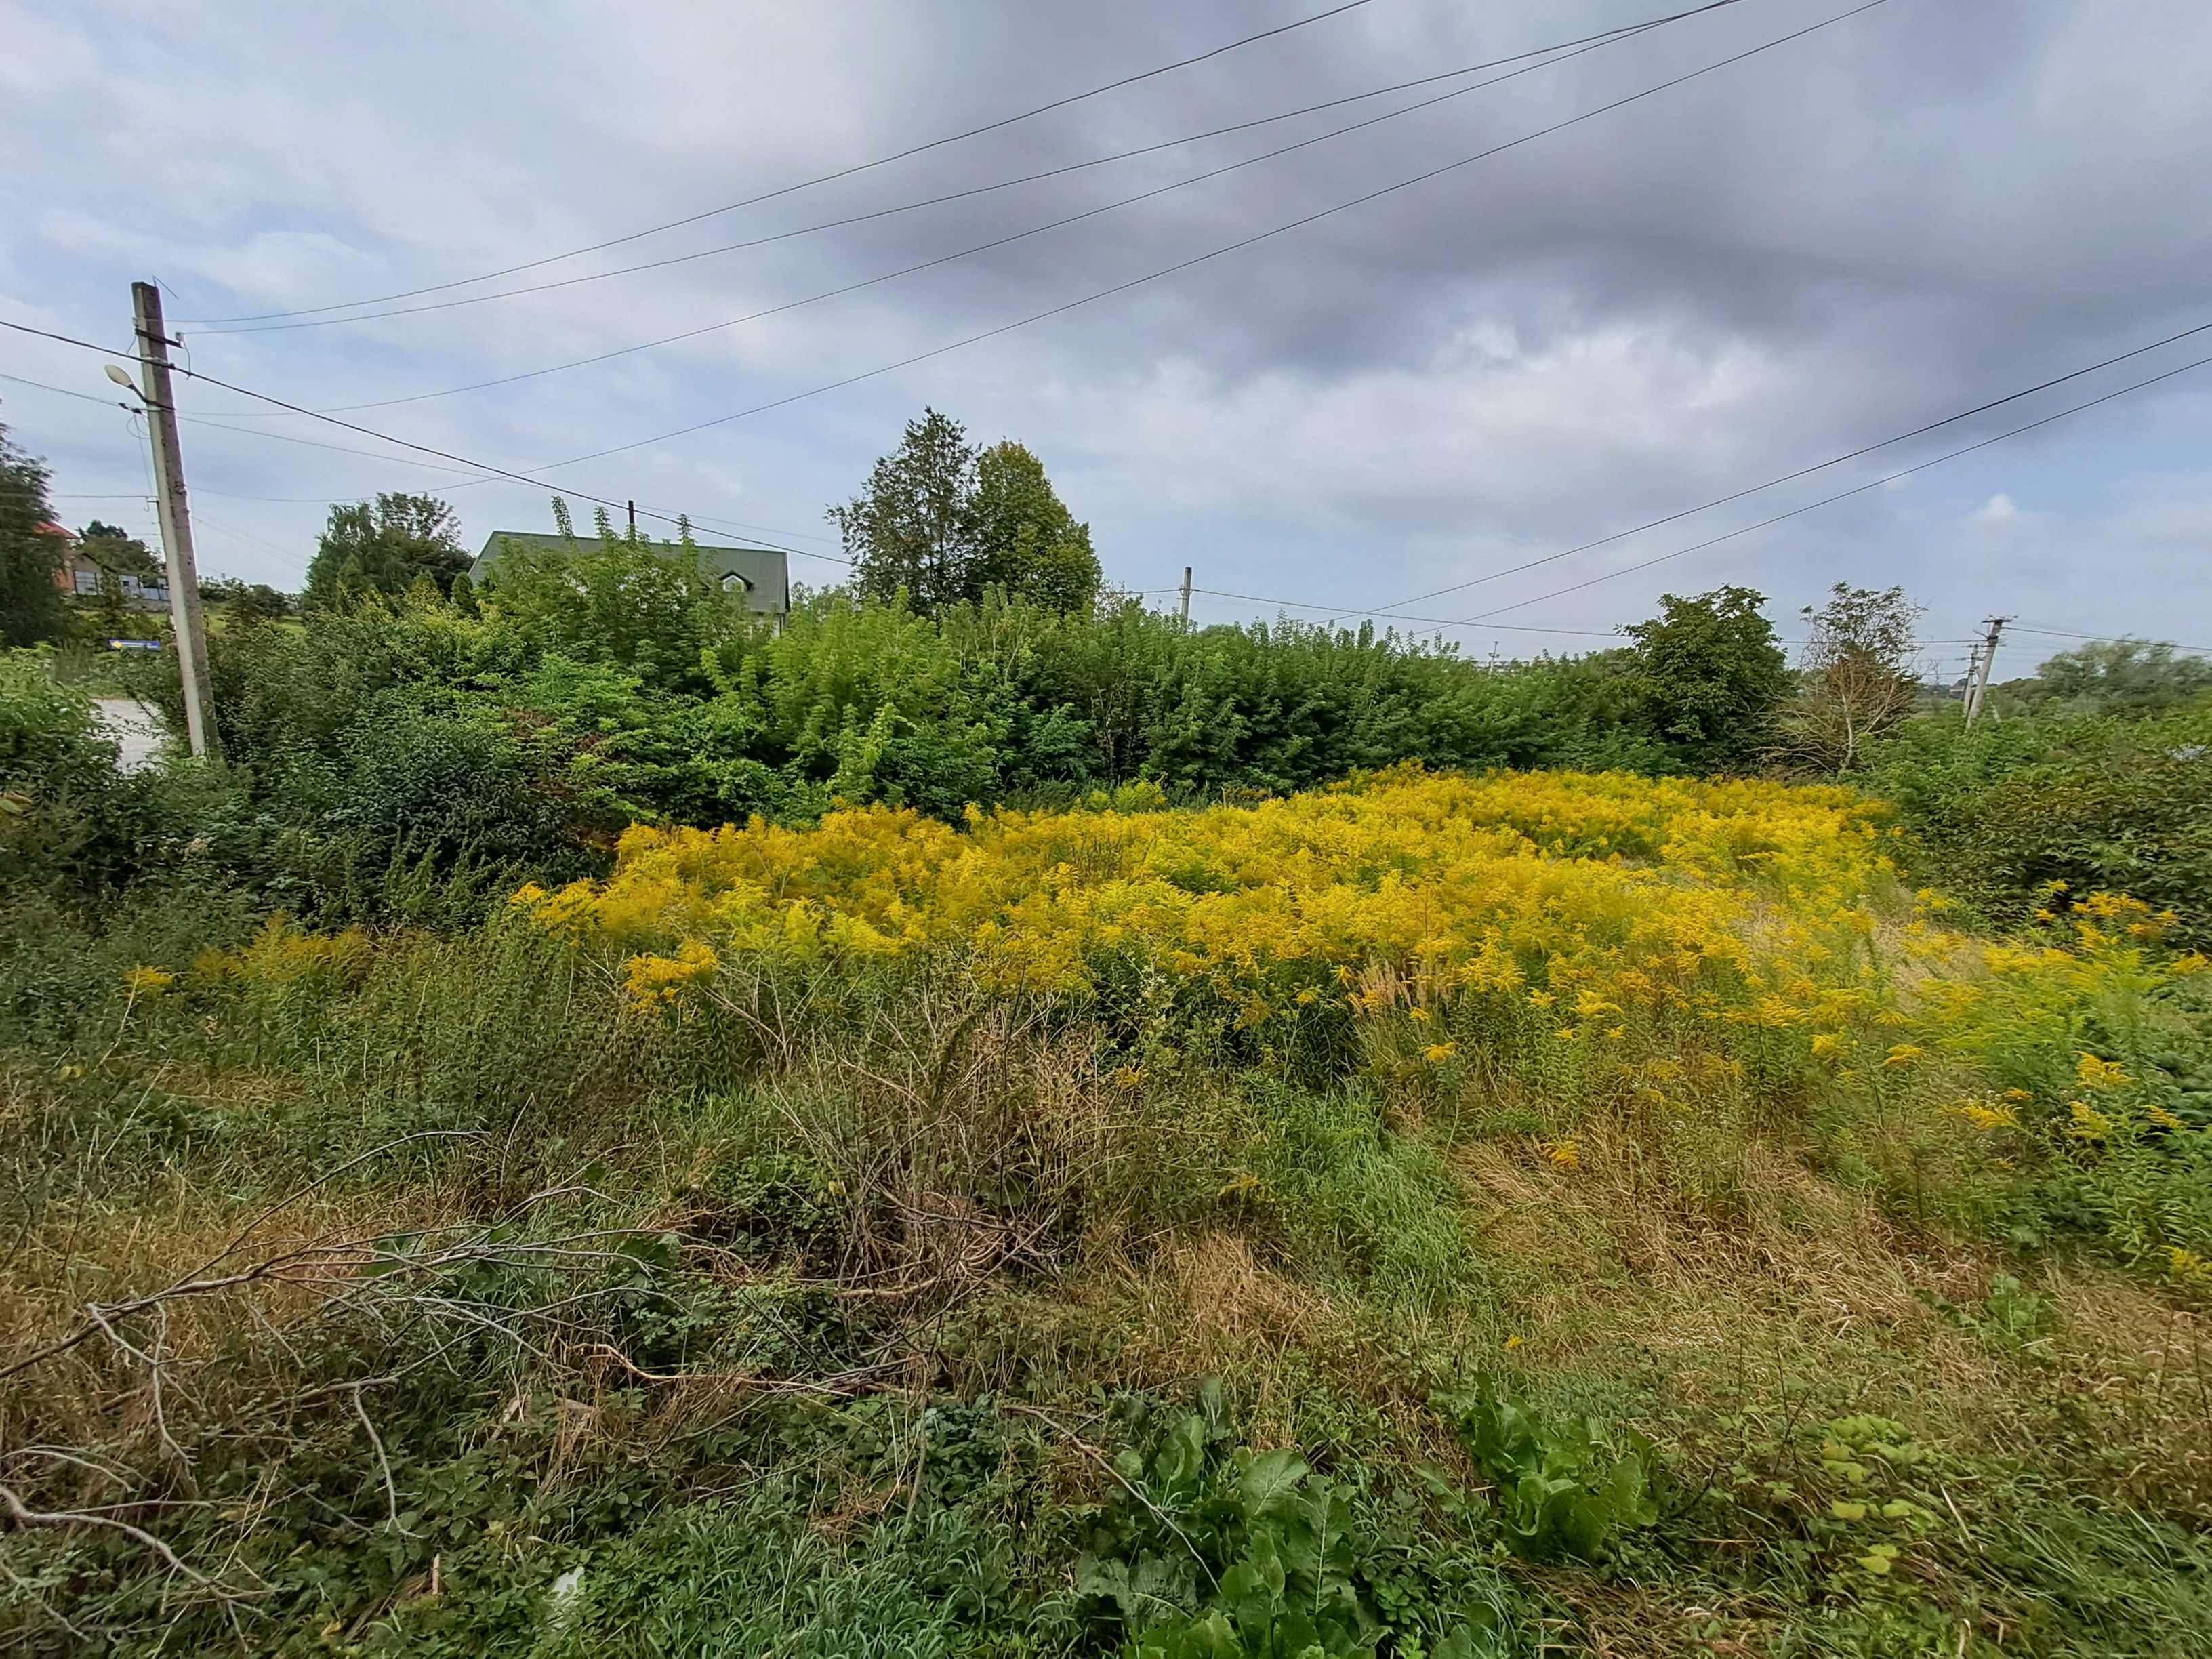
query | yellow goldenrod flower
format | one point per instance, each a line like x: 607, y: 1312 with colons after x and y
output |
x: 655, y: 981
x: 2095, y: 1073
x: 1984, y: 1117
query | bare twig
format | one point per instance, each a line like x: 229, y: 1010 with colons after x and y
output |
x: 324, y: 1180
x: 29, y: 1592
x: 843, y: 1386
x: 383, y: 1463
x: 153, y: 1364
x: 105, y: 1471
x: 24, y: 1517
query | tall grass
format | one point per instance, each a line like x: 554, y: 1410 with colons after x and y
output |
x: 476, y: 1292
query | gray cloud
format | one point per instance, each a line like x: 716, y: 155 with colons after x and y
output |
x: 1903, y: 214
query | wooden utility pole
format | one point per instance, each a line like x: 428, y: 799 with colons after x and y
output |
x: 1978, y: 692
x: 1186, y: 594
x: 175, y: 514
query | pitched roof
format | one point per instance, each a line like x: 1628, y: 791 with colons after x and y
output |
x: 764, y: 570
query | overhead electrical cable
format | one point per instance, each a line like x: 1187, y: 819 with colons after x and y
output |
x: 1465, y: 622
x: 822, y: 179
x: 1841, y: 495
x: 1565, y: 48
x: 2104, y: 639
x: 1212, y: 253
x: 1788, y: 477
x: 467, y: 474
x: 1510, y: 628
x: 64, y: 391
x: 976, y: 248
x: 386, y: 437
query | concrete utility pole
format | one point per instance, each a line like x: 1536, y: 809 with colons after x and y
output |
x: 1978, y: 692
x: 1186, y: 593
x: 176, y: 517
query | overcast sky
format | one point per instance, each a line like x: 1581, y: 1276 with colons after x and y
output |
x: 1896, y: 217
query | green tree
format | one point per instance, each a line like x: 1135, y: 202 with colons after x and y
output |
x: 1026, y: 540
x: 944, y: 521
x: 2129, y: 676
x: 614, y: 598
x: 912, y: 524
x: 382, y: 548
x: 1857, y: 683
x: 243, y: 602
x: 1709, y: 675
x: 30, y: 551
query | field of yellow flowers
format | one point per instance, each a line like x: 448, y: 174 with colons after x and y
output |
x: 1531, y: 1213
x: 1581, y: 939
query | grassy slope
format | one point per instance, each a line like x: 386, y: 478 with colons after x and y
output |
x: 815, y: 1329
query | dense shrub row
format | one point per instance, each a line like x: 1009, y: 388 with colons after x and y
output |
x: 407, y: 757
x: 2016, y: 814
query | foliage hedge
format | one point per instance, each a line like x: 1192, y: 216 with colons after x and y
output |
x: 2001, y: 816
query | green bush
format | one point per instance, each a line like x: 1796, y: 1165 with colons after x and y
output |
x: 2002, y: 812
x: 69, y: 822
x: 448, y: 747
x: 1212, y: 1551
x: 1563, y: 1487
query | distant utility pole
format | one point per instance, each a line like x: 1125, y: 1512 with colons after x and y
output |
x: 1186, y: 593
x: 175, y: 514
x: 1977, y: 693
x: 633, y: 520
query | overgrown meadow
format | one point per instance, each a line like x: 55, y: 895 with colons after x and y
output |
x: 1441, y: 1211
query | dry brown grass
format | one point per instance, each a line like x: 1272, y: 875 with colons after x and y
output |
x: 98, y: 1391
x: 1814, y: 1289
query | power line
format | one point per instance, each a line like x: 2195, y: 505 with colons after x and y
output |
x: 1867, y: 5
x: 1511, y: 627
x: 64, y: 391
x: 978, y: 247
x: 1585, y: 43
x: 1804, y: 471
x: 1465, y: 622
x: 1299, y: 604
x: 291, y: 555
x: 2104, y: 639
x: 823, y: 179
x: 1214, y: 253
x: 468, y: 475
x: 386, y: 437
x: 1855, y: 489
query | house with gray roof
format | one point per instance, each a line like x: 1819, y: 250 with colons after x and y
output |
x: 761, y: 572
